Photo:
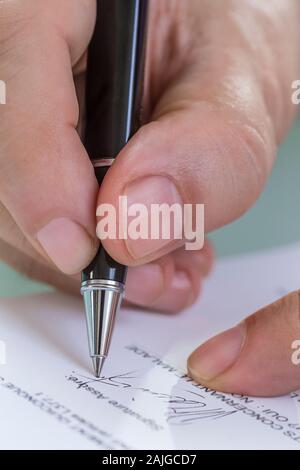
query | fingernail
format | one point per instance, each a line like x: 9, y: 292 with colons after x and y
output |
x: 217, y: 355
x: 147, y: 191
x: 67, y: 244
x: 182, y: 288
x: 178, y: 296
x: 144, y: 284
x: 181, y: 281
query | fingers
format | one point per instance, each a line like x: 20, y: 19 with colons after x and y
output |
x: 215, y: 123
x: 257, y: 357
x: 47, y: 183
x: 18, y: 252
x: 170, y: 284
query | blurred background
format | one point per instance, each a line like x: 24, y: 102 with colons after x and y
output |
x: 273, y: 221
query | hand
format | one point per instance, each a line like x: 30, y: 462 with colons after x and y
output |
x: 219, y: 102
x: 260, y: 356
x: 48, y: 190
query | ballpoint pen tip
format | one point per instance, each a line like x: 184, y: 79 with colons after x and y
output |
x: 98, y: 362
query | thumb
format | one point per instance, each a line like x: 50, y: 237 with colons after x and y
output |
x: 258, y: 356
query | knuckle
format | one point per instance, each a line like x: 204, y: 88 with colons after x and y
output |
x: 256, y: 146
x: 253, y: 150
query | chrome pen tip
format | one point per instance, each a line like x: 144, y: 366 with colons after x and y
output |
x: 98, y: 362
x: 102, y: 301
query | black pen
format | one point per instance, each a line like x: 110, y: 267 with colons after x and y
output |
x: 114, y: 90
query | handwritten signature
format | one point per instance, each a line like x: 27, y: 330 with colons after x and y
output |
x: 184, y: 408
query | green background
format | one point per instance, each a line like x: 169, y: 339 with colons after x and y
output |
x: 273, y: 221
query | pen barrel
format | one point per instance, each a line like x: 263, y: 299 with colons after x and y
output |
x: 115, y: 70
x: 103, y: 266
x: 114, y: 92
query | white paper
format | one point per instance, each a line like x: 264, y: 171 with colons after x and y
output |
x: 50, y: 400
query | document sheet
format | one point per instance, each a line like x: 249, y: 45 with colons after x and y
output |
x: 49, y: 398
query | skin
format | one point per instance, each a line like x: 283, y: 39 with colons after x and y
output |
x: 218, y: 97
